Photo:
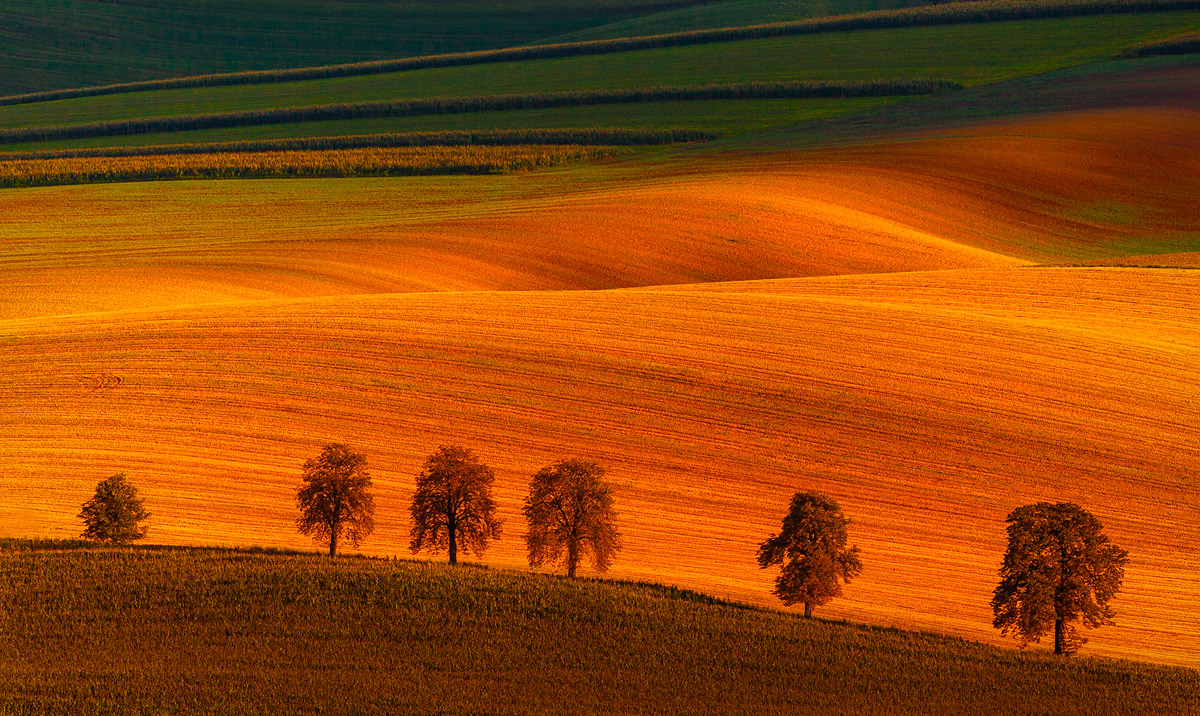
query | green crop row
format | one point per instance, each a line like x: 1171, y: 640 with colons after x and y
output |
x: 453, y: 105
x: 943, y: 14
x: 492, y: 138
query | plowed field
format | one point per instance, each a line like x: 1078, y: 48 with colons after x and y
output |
x: 238, y: 326
x: 929, y: 404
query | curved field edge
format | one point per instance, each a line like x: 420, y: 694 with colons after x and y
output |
x: 929, y: 405
x: 730, y: 13
x: 941, y: 14
x: 215, y: 632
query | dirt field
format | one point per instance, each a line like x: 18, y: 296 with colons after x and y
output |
x: 929, y: 403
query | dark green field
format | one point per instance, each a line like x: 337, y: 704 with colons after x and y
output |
x: 973, y: 54
x: 978, y: 54
x: 76, y: 43
x: 73, y: 43
x: 182, y: 631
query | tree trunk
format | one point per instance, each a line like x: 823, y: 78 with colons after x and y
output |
x: 572, y: 558
x: 451, y: 528
x: 808, y: 610
x: 333, y: 543
x: 1060, y: 637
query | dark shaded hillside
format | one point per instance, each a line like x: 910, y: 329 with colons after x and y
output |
x: 212, y: 631
x: 1171, y: 82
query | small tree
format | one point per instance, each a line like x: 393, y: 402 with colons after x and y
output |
x: 812, y: 549
x: 1058, y: 568
x: 569, y: 509
x: 333, y: 500
x: 453, y: 504
x: 114, y: 512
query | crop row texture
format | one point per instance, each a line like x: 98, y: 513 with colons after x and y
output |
x: 943, y: 14
x: 484, y: 138
x: 455, y: 105
x: 374, y: 161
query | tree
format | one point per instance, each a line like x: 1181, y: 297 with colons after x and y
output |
x: 114, y: 512
x: 1058, y: 568
x: 812, y: 549
x: 333, y: 500
x: 453, y: 504
x: 570, y: 510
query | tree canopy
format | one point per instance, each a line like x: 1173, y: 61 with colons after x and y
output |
x: 334, y: 500
x: 812, y: 550
x: 570, y: 513
x: 115, y: 513
x: 1058, y: 568
x: 453, y: 505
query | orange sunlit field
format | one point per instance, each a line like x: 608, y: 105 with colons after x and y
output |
x: 1074, y: 188
x: 879, y: 333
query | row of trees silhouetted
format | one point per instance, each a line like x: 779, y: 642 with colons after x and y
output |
x: 1059, y: 568
x: 569, y: 508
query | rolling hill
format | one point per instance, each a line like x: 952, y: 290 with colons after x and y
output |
x: 1067, y: 188
x: 935, y: 309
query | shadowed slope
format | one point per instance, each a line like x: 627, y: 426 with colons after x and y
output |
x: 929, y: 405
x: 227, y: 633
x: 1071, y: 187
x: 1163, y: 82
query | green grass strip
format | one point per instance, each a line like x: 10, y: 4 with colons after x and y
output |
x: 1186, y: 44
x: 453, y: 105
x: 491, y: 137
x: 944, y: 14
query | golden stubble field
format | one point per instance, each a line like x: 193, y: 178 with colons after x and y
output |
x: 929, y: 403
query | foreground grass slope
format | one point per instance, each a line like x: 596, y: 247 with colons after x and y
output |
x: 218, y: 632
x: 74, y: 43
x: 928, y: 404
